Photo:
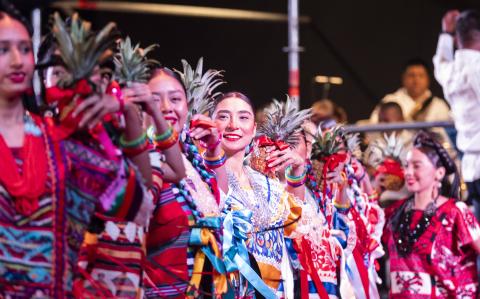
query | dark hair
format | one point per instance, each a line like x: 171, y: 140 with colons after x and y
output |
x: 438, y: 155
x: 468, y: 23
x: 390, y: 105
x: 8, y: 9
x: 238, y: 95
x: 166, y: 71
x: 417, y: 61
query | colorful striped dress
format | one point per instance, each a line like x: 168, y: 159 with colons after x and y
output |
x: 39, y: 251
x: 171, y: 253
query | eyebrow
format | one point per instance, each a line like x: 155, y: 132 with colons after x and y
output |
x: 244, y: 111
x: 15, y: 40
x: 229, y: 112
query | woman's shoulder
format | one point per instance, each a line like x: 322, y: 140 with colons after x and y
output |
x: 394, y: 207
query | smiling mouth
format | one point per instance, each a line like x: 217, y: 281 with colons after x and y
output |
x: 171, y: 120
x: 232, y: 137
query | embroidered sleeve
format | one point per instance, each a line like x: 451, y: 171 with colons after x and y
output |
x: 156, y: 161
x: 297, y: 222
x: 134, y: 202
x: 466, y: 227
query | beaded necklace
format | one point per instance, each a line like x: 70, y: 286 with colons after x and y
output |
x: 406, y: 237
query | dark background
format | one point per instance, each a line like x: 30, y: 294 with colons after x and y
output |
x: 364, y: 42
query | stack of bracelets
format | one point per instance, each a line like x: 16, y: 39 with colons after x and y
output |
x: 373, y: 196
x: 295, y: 181
x: 134, y: 147
x: 165, y: 140
x: 214, y: 162
x: 345, y: 207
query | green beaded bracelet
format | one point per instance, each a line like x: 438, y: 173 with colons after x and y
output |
x: 133, y: 143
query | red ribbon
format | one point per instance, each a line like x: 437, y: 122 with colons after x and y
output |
x: 266, y: 141
x: 390, y: 166
x: 64, y: 98
x: 66, y: 101
x: 330, y: 163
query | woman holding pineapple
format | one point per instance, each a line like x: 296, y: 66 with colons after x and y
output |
x: 321, y: 250
x: 184, y: 239
x: 58, y: 174
x: 275, y: 212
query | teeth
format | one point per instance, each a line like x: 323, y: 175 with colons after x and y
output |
x: 232, y: 137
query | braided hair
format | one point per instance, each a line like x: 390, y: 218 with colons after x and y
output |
x: 438, y: 155
x: 191, y: 152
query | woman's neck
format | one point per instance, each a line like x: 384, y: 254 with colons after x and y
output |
x: 234, y: 164
x: 423, y: 198
x: 11, y: 112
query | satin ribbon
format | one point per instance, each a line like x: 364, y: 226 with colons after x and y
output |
x: 390, y: 166
x: 69, y: 124
x: 203, y: 237
x: 266, y: 141
x: 236, y: 227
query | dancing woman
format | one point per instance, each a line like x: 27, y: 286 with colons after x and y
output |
x: 274, y: 210
x: 184, y: 240
x: 433, y: 239
x: 51, y: 186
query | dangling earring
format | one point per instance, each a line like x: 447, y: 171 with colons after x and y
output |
x: 439, y: 188
x: 249, y: 148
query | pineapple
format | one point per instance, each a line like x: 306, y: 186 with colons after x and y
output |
x: 325, y: 144
x: 200, y: 88
x: 80, y: 48
x: 282, y: 123
x: 389, y: 148
x: 132, y: 64
x: 353, y: 144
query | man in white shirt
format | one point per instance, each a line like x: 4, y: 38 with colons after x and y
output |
x: 414, y: 97
x: 459, y: 74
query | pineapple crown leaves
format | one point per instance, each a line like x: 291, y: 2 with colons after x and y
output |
x: 200, y: 87
x: 327, y: 143
x: 389, y: 147
x: 81, y: 49
x: 282, y: 120
x: 353, y: 144
x: 131, y: 62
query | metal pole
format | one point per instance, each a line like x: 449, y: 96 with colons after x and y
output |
x: 293, y: 49
x: 36, y: 40
x: 398, y: 126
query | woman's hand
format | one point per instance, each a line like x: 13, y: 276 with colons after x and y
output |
x: 208, y: 135
x: 281, y: 159
x: 94, y: 108
x: 140, y: 94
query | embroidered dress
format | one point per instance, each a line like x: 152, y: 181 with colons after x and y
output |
x: 274, y: 216
x: 171, y: 252
x: 38, y: 251
x: 442, y: 263
x: 369, y: 220
x: 320, y: 252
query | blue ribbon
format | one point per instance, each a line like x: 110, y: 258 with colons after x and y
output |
x: 196, y: 240
x: 236, y: 227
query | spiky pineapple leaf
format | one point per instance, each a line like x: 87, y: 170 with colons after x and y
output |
x: 282, y: 121
x: 200, y: 87
x: 327, y: 143
x: 132, y: 64
x: 390, y: 146
x: 353, y: 144
x: 80, y: 48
